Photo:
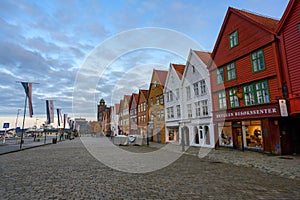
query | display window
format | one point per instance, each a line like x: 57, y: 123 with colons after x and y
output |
x: 252, y: 134
x: 225, y: 134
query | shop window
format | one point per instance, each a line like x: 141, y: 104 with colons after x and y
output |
x: 196, y: 135
x: 258, y: 63
x: 253, y: 134
x: 171, y: 134
x: 225, y: 134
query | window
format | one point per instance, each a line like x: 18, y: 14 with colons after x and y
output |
x: 230, y: 68
x: 167, y: 95
x: 203, y: 87
x: 233, y: 39
x: 256, y: 93
x: 162, y: 114
x: 220, y: 75
x: 158, y: 116
x: 262, y: 92
x: 198, y: 110
x: 178, y: 111
x: 157, y: 100
x: 161, y: 99
x: 145, y: 106
x: 188, y: 92
x: 201, y: 132
x: 222, y: 99
x: 171, y: 96
x: 233, y: 99
x: 170, y: 113
x: 204, y: 108
x: 193, y: 69
x: 151, y: 101
x: 189, y: 109
x: 248, y: 95
x: 177, y: 93
x: 258, y: 62
x: 196, y: 89
x: 299, y: 27
x: 206, y: 133
x: 196, y: 135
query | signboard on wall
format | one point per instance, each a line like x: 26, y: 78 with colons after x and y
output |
x: 283, y: 108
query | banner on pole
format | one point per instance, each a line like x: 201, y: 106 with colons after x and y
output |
x: 28, y: 90
x: 50, y: 111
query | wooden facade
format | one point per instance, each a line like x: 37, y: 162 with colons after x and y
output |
x: 133, y: 114
x: 125, y: 115
x: 246, y: 83
x: 288, y: 32
x: 142, y: 112
x: 156, y: 106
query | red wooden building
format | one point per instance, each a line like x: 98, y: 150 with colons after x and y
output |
x: 246, y: 83
x: 133, y: 105
x: 288, y: 32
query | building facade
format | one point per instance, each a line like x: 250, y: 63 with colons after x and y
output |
x: 246, y: 83
x: 288, y: 32
x: 197, y: 125
x: 133, y: 105
x: 156, y: 123
x: 172, y: 91
x: 142, y: 112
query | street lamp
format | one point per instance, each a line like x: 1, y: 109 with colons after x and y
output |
x: 16, y: 125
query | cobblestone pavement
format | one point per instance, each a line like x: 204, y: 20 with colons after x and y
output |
x: 67, y: 171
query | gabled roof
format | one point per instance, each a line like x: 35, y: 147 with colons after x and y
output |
x: 117, y: 108
x: 204, y: 56
x: 179, y: 69
x: 286, y: 14
x: 145, y: 93
x: 162, y: 76
x: 263, y: 22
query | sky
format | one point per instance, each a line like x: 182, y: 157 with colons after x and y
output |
x: 79, y: 51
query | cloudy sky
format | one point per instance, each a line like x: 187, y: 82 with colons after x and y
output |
x: 95, y: 46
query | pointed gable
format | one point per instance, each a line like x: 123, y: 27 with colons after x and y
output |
x: 117, y: 108
x: 179, y: 69
x: 204, y: 56
x: 162, y: 76
x: 253, y: 32
x: 291, y: 11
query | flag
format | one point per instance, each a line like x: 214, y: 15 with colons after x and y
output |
x: 50, y: 111
x: 65, y: 120
x: 28, y: 90
x: 59, y: 116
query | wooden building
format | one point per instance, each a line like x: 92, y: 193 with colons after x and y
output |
x: 288, y: 32
x: 246, y: 83
x: 133, y: 114
x: 156, y: 123
x: 142, y: 112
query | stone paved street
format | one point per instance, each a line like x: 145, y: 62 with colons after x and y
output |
x: 67, y: 171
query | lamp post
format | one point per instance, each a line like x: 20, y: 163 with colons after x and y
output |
x: 16, y: 125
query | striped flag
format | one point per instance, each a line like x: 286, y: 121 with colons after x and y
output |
x: 59, y: 116
x: 50, y: 111
x: 28, y: 90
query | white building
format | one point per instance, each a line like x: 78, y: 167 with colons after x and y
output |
x: 172, y: 99
x: 114, y: 121
x: 196, y: 125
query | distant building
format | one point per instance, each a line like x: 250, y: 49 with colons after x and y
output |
x: 101, y: 108
x: 82, y: 126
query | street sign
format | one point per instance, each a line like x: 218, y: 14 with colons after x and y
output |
x: 5, y: 125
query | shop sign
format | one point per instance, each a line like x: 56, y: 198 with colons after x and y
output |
x: 244, y: 113
x: 283, y: 108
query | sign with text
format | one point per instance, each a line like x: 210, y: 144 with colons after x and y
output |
x: 283, y: 108
x: 248, y: 113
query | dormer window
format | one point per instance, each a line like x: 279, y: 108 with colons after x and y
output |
x: 233, y: 39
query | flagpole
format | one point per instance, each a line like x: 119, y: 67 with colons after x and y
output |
x: 23, y: 122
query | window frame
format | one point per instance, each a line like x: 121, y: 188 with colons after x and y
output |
x: 230, y: 70
x: 257, y: 60
x: 220, y: 74
x: 222, y: 104
x: 232, y: 98
x: 233, y: 39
